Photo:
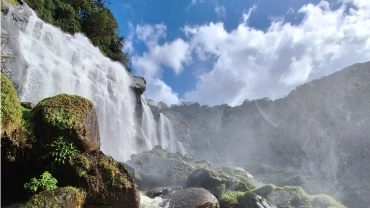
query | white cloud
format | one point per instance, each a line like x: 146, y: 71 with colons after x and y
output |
x: 220, y: 11
x: 175, y: 55
x: 248, y: 63
x: 251, y: 64
x: 160, y: 91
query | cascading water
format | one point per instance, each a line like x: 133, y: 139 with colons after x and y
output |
x: 167, y: 137
x: 60, y: 63
x: 148, y: 126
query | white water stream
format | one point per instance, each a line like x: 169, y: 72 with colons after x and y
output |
x: 60, y: 63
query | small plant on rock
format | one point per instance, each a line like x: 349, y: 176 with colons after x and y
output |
x: 45, y: 182
x: 62, y: 151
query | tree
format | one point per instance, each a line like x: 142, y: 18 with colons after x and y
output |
x: 90, y: 17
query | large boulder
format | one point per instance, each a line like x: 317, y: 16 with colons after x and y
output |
x: 66, y: 197
x: 138, y: 85
x: 107, y: 183
x: 15, y: 144
x: 160, y: 171
x: 192, y: 198
x: 214, y: 181
x: 68, y: 116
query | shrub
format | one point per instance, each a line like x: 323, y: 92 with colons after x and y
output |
x: 60, y: 151
x: 45, y: 182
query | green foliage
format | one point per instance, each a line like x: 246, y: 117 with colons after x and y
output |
x: 61, y: 197
x: 60, y: 151
x: 90, y: 17
x: 11, y: 114
x: 45, y: 182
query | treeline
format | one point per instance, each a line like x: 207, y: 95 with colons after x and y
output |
x: 90, y: 17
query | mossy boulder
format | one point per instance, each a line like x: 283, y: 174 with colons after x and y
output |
x: 16, y: 142
x: 192, y: 198
x: 70, y: 117
x: 238, y: 199
x: 107, y: 183
x: 11, y: 111
x: 215, y: 181
x: 295, y: 196
x: 66, y: 197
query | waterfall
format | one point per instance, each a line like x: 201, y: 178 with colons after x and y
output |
x: 167, y: 137
x: 60, y: 63
x: 148, y: 126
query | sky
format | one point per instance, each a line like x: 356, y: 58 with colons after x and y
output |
x: 226, y: 51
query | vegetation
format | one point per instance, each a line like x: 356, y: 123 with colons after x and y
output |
x: 60, y: 151
x: 64, y: 111
x: 62, y: 197
x: 11, y: 114
x: 46, y: 182
x: 90, y: 17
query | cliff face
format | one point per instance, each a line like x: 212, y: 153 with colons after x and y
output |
x: 321, y: 130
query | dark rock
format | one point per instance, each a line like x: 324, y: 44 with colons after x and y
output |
x: 27, y: 105
x: 214, y: 181
x: 162, y: 191
x: 107, y: 183
x: 134, y: 173
x: 192, y: 198
x: 244, y: 199
x: 68, y: 116
x: 138, y: 84
x: 66, y: 197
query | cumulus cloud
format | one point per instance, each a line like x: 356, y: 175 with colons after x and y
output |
x: 247, y: 63
x: 174, y: 55
x: 252, y: 64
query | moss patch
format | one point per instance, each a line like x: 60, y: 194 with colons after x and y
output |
x: 62, y: 197
x: 11, y: 114
x: 64, y: 111
x: 237, y: 199
x: 295, y: 196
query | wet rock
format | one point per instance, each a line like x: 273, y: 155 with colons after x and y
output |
x: 162, y: 191
x: 158, y: 171
x: 214, y: 181
x: 234, y: 199
x: 192, y: 198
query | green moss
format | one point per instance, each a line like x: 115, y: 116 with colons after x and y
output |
x: 240, y: 175
x: 325, y: 201
x: 62, y: 197
x: 82, y: 165
x: 237, y: 199
x: 113, y: 173
x: 264, y: 190
x: 231, y: 197
x: 203, y: 164
x: 11, y: 114
x: 64, y: 111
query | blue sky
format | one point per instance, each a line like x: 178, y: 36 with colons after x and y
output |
x: 226, y: 51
